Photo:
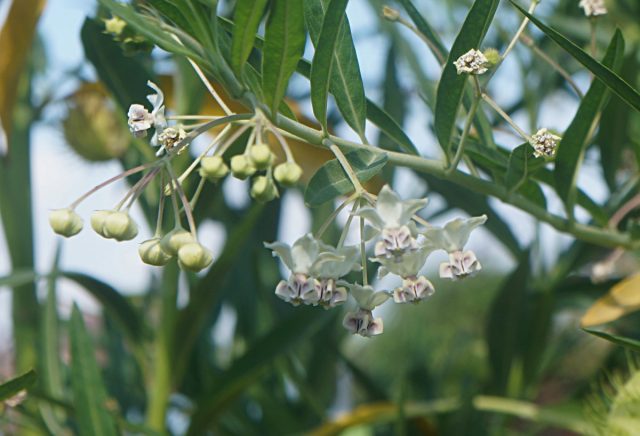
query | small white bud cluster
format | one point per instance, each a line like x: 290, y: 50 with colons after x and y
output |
x: 472, y: 62
x: 544, y: 143
x: 593, y: 8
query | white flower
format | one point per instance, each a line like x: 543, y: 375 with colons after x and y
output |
x: 413, y: 290
x: 336, y: 262
x: 593, y: 8
x: 366, y: 297
x: 363, y: 323
x: 460, y: 265
x: 303, y: 256
x: 300, y: 288
x: 140, y: 120
x: 170, y: 137
x: 395, y: 242
x: 329, y: 294
x: 472, y: 62
x: 544, y: 143
x: 407, y: 265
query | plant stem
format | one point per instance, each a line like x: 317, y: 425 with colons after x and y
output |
x: 505, y: 116
x: 183, y: 199
x: 523, y: 25
x: 467, y: 127
x: 332, y: 217
x: 345, y: 230
x: 363, y: 254
x: 346, y: 166
x: 435, y: 50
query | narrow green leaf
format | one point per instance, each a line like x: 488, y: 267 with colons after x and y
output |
x: 12, y: 387
x: 436, y: 46
x: 89, y: 393
x: 388, y: 125
x: 323, y: 59
x: 247, y: 18
x: 572, y: 147
x: 115, y: 305
x: 629, y: 343
x: 18, y: 278
x: 521, y: 164
x: 451, y: 86
x: 331, y: 181
x: 345, y: 79
x: 602, y: 72
x: 245, y: 370
x: 283, y: 48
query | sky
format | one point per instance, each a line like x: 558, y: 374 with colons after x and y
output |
x: 59, y: 176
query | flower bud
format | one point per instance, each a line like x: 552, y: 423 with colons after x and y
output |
x: 261, y: 156
x: 288, y: 173
x: 390, y: 13
x: 241, y: 167
x: 97, y: 221
x: 120, y: 226
x: 213, y: 168
x: 493, y: 56
x: 114, y: 26
x: 194, y: 257
x: 151, y: 253
x: 263, y: 189
x: 174, y: 240
x: 65, y: 222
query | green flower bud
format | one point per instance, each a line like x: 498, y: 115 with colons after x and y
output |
x: 65, y: 222
x: 194, y: 257
x: 288, y: 173
x: 97, y: 221
x: 263, y: 189
x: 120, y: 226
x: 174, y: 240
x: 241, y: 167
x: 261, y: 156
x: 493, y: 56
x: 114, y: 26
x: 213, y: 168
x: 151, y: 253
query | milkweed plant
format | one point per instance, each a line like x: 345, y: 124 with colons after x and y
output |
x: 245, y: 55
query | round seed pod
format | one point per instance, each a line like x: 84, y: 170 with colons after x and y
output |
x: 263, y: 189
x: 213, y: 168
x: 241, y: 167
x: 261, y: 156
x: 288, y: 173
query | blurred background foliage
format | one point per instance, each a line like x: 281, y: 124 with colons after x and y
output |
x: 502, y: 354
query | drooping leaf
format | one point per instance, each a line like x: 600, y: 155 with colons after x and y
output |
x: 451, y: 86
x: 331, y: 181
x: 14, y: 386
x: 16, y: 38
x: 114, y: 304
x: 345, y: 79
x: 572, y: 147
x: 253, y: 363
x: 622, y: 299
x: 629, y: 343
x: 125, y: 77
x: 324, y: 59
x: 436, y: 46
x: 283, y: 47
x: 247, y: 18
x: 90, y: 395
x: 602, y: 72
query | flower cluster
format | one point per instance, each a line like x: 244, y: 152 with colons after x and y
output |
x: 544, y: 143
x: 172, y: 138
x: 318, y: 271
x: 593, y: 8
x: 472, y: 62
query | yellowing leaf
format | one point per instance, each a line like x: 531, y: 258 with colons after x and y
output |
x: 621, y: 300
x: 16, y: 37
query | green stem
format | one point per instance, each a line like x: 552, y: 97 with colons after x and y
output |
x: 333, y: 216
x: 363, y: 254
x: 345, y: 230
x: 346, y: 166
x: 588, y: 233
x: 465, y: 131
x: 506, y: 117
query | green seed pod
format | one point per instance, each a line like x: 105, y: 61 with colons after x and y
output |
x: 213, y: 168
x: 194, y: 257
x: 288, y: 173
x: 120, y: 226
x: 174, y: 240
x: 97, y: 221
x: 263, y: 189
x: 151, y: 253
x: 241, y: 167
x: 261, y: 156
x: 65, y: 222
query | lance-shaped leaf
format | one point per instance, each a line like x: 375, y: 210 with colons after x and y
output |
x: 14, y: 386
x: 90, y: 395
x: 451, y: 86
x: 345, y: 80
x: 602, y: 72
x: 330, y: 180
x: 629, y: 343
x: 283, y: 47
x: 574, y: 142
x: 247, y: 19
